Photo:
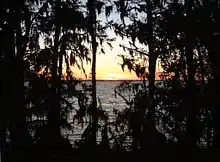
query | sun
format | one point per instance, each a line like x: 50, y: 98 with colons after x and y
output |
x: 112, y: 76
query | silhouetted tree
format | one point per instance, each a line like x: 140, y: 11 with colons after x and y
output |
x: 92, y: 31
x: 144, y: 32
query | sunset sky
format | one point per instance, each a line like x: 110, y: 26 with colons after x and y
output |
x: 108, y: 65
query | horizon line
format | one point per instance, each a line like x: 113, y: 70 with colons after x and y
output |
x: 116, y: 80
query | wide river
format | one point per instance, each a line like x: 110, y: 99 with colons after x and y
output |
x: 109, y: 102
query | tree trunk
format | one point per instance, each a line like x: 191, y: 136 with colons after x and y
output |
x: 59, y: 87
x: 152, y: 64
x: 19, y: 132
x: 10, y: 66
x: 191, y: 132
x: 213, y: 49
x: 3, y: 112
x: 54, y: 113
x: 92, y: 15
x: 149, y: 127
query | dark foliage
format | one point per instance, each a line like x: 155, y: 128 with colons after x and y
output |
x: 176, y: 118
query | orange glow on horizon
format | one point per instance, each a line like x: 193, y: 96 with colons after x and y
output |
x: 108, y: 65
x: 112, y: 76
